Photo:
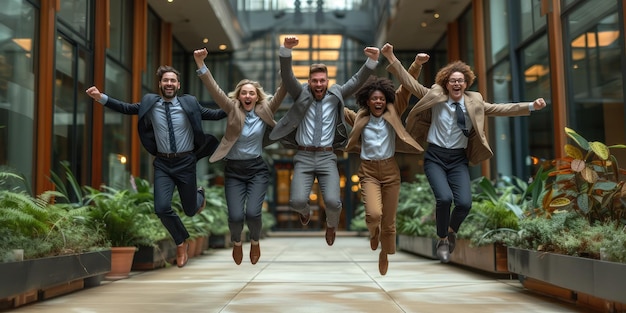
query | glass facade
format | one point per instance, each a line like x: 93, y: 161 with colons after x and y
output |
x: 118, y: 128
x: 594, y: 39
x: 18, y: 33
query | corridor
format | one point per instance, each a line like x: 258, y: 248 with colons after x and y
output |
x: 303, y: 274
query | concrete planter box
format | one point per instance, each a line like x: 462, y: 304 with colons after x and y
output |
x: 490, y: 258
x: 153, y: 257
x: 574, y: 277
x: 38, y: 279
x: 423, y: 246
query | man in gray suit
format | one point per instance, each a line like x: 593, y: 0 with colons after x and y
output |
x: 315, y: 126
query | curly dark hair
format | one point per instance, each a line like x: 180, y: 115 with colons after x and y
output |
x: 457, y: 66
x: 374, y: 83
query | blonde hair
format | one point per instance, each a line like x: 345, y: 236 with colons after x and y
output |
x: 262, y: 96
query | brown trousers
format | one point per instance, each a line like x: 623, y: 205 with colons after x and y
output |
x: 380, y: 189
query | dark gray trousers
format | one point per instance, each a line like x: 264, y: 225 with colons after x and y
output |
x: 246, y: 184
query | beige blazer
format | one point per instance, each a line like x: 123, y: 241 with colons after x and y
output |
x: 419, y: 118
x: 358, y: 120
x: 237, y: 115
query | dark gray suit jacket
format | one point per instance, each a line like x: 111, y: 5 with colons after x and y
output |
x: 285, y: 129
x: 204, y: 144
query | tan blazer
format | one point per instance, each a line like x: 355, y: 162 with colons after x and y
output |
x: 237, y: 115
x: 358, y: 120
x: 419, y: 119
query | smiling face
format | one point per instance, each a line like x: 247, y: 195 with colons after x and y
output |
x: 377, y: 103
x: 248, y: 97
x: 318, y: 82
x: 169, y: 85
x: 456, y: 86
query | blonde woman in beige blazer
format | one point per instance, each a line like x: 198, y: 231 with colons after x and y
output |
x: 377, y: 134
x: 250, y: 118
x: 452, y: 120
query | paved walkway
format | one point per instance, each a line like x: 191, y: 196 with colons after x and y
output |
x: 303, y: 274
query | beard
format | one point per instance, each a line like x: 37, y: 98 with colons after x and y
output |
x: 167, y: 93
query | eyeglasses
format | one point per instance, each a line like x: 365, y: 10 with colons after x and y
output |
x: 454, y: 81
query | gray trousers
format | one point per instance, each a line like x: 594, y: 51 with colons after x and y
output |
x: 322, y: 165
x: 246, y: 184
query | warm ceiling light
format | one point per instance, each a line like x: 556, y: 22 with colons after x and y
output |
x: 423, y: 24
x: 205, y: 40
x: 589, y: 40
x: 170, y: 1
x: 436, y: 15
x: 222, y: 47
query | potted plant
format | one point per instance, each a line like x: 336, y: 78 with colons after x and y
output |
x: 52, y: 238
x: 577, y: 221
x: 121, y: 217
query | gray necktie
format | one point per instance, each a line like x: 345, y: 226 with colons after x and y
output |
x: 460, y: 118
x: 317, y: 135
x: 170, y: 126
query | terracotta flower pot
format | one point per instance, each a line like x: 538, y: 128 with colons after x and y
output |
x: 121, y: 262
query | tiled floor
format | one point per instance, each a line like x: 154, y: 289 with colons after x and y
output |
x: 303, y: 274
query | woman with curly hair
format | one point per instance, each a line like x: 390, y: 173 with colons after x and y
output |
x: 250, y: 118
x: 377, y: 134
x: 452, y: 121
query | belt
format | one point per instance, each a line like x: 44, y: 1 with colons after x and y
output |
x: 174, y: 155
x: 315, y: 149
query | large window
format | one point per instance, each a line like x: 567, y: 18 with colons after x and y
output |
x: 18, y: 25
x: 71, y: 125
x: 596, y: 97
x: 497, y: 23
x: 118, y: 128
x: 535, y: 70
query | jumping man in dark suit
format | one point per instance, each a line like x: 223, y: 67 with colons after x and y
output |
x: 170, y: 128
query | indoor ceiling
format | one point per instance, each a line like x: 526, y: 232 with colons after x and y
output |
x: 194, y: 20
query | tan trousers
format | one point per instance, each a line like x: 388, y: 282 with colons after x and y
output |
x: 380, y: 189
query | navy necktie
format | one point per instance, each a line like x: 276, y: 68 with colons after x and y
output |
x: 170, y: 126
x: 460, y: 118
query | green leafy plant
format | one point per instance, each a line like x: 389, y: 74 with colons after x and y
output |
x: 588, y: 181
x: 497, y: 208
x: 118, y: 214
x: 358, y: 221
x: 38, y: 225
x: 577, y: 205
x: 416, y: 205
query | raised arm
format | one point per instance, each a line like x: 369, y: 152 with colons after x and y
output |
x: 395, y: 67
x: 221, y: 98
x: 111, y: 103
x: 403, y: 94
x: 289, y: 81
x: 356, y: 81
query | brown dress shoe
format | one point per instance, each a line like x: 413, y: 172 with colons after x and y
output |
x: 330, y: 235
x: 201, y: 191
x: 374, y: 240
x: 237, y: 253
x: 255, y: 253
x: 383, y: 263
x: 305, y: 218
x: 181, y: 254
